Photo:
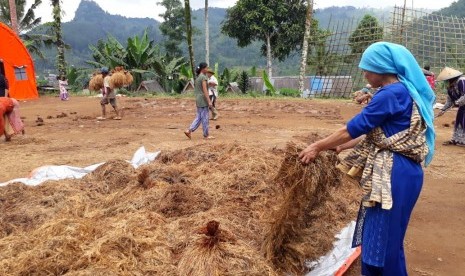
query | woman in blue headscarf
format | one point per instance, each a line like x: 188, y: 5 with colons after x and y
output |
x: 390, y: 138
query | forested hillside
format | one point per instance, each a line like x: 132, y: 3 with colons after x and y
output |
x: 91, y: 23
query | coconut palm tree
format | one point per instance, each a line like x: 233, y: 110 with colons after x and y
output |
x: 187, y: 14
x: 56, y: 26
x: 27, y: 21
x: 207, y: 35
x: 13, y: 16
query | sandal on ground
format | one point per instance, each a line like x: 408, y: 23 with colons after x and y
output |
x: 100, y: 118
x: 117, y: 118
x: 449, y: 143
x: 208, y: 137
x: 188, y: 134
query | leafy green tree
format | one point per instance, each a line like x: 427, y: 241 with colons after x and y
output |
x: 173, y: 26
x: 277, y: 23
x: 189, y: 34
x: 367, y: 32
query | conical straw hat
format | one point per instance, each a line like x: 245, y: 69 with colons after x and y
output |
x: 448, y: 73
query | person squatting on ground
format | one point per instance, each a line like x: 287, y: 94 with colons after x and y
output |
x: 213, y: 92
x: 202, y: 102
x: 399, y: 129
x: 109, y: 96
x: 455, y: 97
x: 10, y: 119
x: 63, y: 85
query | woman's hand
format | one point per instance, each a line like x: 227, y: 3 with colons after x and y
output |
x: 309, y: 153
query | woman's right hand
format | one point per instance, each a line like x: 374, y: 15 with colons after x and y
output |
x: 309, y: 153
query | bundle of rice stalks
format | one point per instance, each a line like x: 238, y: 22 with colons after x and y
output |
x: 117, y: 80
x: 289, y: 239
x: 128, y: 78
x: 96, y: 82
x: 214, y: 252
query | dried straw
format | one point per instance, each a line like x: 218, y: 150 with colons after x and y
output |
x: 117, y: 80
x: 157, y: 220
x: 96, y: 82
x: 290, y: 238
x: 128, y: 78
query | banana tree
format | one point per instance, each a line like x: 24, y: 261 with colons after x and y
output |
x: 167, y: 71
x: 110, y: 53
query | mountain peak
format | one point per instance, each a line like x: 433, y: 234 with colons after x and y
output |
x: 88, y: 9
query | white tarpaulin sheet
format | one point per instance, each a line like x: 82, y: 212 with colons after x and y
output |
x: 329, y: 264
x: 45, y: 173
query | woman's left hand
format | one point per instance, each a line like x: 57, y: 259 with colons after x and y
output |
x: 309, y: 153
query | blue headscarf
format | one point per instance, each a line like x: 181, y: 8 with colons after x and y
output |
x: 390, y: 58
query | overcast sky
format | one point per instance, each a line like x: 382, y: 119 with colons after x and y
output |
x: 149, y: 8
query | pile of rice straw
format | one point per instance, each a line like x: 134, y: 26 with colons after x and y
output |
x: 96, y: 82
x: 204, y: 210
x: 120, y: 78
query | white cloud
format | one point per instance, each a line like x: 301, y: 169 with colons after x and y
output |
x: 149, y: 8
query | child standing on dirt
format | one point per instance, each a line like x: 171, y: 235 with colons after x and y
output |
x: 109, y: 96
x: 202, y: 101
x: 63, y: 85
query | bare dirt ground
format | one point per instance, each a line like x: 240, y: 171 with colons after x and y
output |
x: 70, y: 134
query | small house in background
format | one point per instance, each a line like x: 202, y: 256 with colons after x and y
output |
x: 233, y: 87
x: 151, y: 85
x: 189, y: 87
x: 17, y: 65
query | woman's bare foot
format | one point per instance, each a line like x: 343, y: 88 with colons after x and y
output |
x: 188, y: 134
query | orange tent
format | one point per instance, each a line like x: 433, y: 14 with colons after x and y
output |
x: 17, y: 65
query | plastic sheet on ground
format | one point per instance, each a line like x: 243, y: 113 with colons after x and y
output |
x: 329, y: 264
x: 44, y: 173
